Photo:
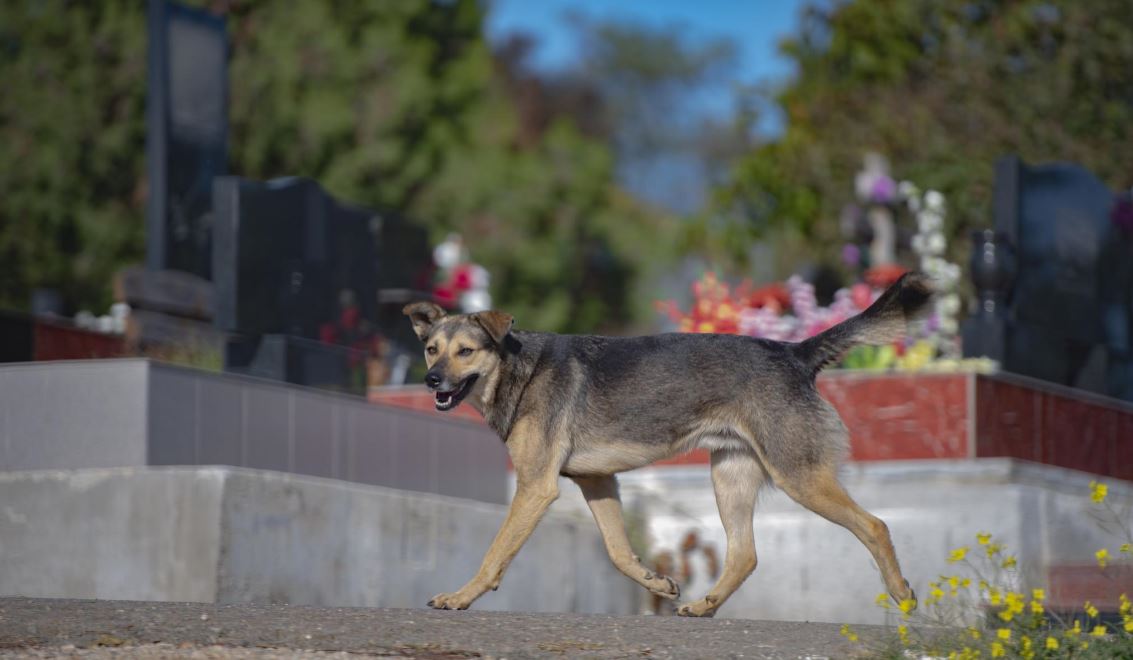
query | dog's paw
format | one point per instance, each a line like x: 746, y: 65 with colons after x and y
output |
x: 912, y: 598
x: 700, y: 608
x: 450, y: 602
x: 663, y: 586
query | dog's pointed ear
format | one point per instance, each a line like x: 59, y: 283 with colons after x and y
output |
x: 496, y: 324
x: 423, y: 315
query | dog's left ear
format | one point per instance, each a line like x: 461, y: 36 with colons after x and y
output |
x: 423, y: 315
x: 496, y: 324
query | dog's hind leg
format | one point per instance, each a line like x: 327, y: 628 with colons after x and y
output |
x: 818, y: 489
x: 601, y: 495
x: 736, y: 478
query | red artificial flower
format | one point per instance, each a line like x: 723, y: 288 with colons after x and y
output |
x: 774, y: 296
x: 445, y: 296
x: 861, y: 295
x: 462, y: 277
x: 881, y: 277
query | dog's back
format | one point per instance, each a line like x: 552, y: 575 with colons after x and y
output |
x: 646, y: 398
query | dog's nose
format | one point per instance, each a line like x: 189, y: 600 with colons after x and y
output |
x: 433, y: 379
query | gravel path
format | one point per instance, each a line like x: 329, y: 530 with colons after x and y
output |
x: 125, y: 629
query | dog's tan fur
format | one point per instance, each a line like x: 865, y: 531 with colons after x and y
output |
x: 580, y: 407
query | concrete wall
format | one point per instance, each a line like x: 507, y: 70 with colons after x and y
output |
x: 810, y: 569
x: 90, y: 413
x: 117, y: 413
x: 236, y: 535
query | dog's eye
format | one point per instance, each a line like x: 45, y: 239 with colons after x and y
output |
x: 432, y: 350
x: 464, y: 352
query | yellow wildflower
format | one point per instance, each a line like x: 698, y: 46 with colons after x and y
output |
x: 1003, y: 633
x: 1075, y: 631
x: 906, y: 606
x: 1128, y: 625
x: 1052, y: 643
x: 997, y: 650
x: 958, y: 554
x: 1038, y: 594
x: 1103, y: 557
x: 974, y: 632
x: 1126, y: 606
x: 882, y: 601
x: 984, y: 538
x: 1009, y: 561
x: 936, y: 594
x: 1126, y: 548
x: 903, y: 633
x: 1098, y: 631
x: 1098, y: 492
x: 849, y: 634
x: 1090, y: 610
x: 1026, y: 648
x: 1014, y: 603
x: 1037, y: 607
x: 994, y: 597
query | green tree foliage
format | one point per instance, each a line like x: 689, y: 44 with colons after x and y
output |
x: 942, y: 87
x: 394, y: 104
x: 72, y: 146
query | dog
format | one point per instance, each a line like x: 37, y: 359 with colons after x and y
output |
x: 589, y: 407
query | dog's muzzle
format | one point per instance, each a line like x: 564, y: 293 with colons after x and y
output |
x: 444, y: 397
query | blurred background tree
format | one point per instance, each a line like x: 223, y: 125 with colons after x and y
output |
x: 943, y: 88
x: 72, y: 147
x: 392, y: 105
x: 578, y: 189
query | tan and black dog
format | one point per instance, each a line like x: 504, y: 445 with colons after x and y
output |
x: 588, y: 407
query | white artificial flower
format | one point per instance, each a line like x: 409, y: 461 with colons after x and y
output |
x: 918, y: 243
x: 930, y: 220
x: 450, y: 253
x: 934, y: 200
x: 479, y: 276
x: 936, y: 243
x: 85, y: 319
x: 475, y: 300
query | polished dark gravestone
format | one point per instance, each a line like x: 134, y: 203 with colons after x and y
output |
x: 1054, y: 279
x: 186, y: 133
x: 291, y: 265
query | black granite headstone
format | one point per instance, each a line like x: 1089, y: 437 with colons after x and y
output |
x: 286, y: 255
x: 186, y: 133
x: 1063, y: 265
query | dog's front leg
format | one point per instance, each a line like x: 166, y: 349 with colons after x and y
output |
x: 537, y: 486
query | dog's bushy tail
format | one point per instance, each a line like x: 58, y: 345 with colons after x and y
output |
x: 885, y: 321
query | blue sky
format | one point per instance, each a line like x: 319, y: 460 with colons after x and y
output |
x: 755, y: 25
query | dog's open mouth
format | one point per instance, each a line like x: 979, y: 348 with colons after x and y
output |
x: 449, y: 400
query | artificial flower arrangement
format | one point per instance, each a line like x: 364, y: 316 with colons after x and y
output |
x: 790, y: 312
x: 461, y: 284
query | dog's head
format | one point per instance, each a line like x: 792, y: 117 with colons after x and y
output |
x: 462, y: 351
